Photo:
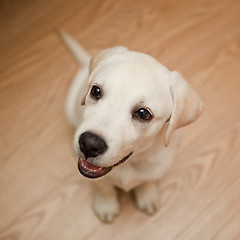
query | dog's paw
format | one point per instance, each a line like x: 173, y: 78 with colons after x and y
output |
x: 146, y: 197
x: 106, y: 207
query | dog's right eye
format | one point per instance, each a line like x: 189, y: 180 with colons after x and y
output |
x: 96, y: 92
x: 143, y: 114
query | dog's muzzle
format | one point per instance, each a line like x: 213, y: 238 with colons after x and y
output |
x: 92, y: 146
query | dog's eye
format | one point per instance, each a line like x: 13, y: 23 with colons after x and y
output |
x: 143, y: 114
x: 96, y: 92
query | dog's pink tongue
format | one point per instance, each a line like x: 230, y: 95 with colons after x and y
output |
x: 89, y: 166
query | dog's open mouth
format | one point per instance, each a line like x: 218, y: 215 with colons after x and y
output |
x: 91, y: 171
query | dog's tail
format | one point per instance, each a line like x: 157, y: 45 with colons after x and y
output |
x: 79, y: 53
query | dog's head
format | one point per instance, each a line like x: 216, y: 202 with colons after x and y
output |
x: 129, y: 98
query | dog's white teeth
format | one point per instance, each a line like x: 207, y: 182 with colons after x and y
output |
x: 90, y: 170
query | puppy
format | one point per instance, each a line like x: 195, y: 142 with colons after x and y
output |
x: 125, y: 107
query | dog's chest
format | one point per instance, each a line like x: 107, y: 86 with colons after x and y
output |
x: 129, y: 176
x: 126, y: 180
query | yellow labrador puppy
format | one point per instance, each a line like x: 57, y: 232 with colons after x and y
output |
x: 125, y: 107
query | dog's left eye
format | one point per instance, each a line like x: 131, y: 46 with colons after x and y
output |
x: 96, y: 92
x: 143, y: 114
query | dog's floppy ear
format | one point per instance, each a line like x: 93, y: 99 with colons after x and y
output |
x: 187, y: 106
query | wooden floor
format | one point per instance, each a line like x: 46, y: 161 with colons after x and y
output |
x: 42, y: 195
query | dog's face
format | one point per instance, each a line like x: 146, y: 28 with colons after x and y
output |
x: 128, y: 101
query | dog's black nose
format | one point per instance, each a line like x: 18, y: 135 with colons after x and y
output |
x: 92, y: 145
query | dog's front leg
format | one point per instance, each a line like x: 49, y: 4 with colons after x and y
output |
x: 146, y: 197
x: 105, y: 200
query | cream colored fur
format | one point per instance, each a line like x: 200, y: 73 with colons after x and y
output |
x: 129, y: 80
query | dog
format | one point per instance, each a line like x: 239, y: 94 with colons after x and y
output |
x: 126, y: 106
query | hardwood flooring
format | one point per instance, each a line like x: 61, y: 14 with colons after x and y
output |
x: 42, y: 195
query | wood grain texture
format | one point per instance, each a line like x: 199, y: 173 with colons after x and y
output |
x: 42, y: 194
